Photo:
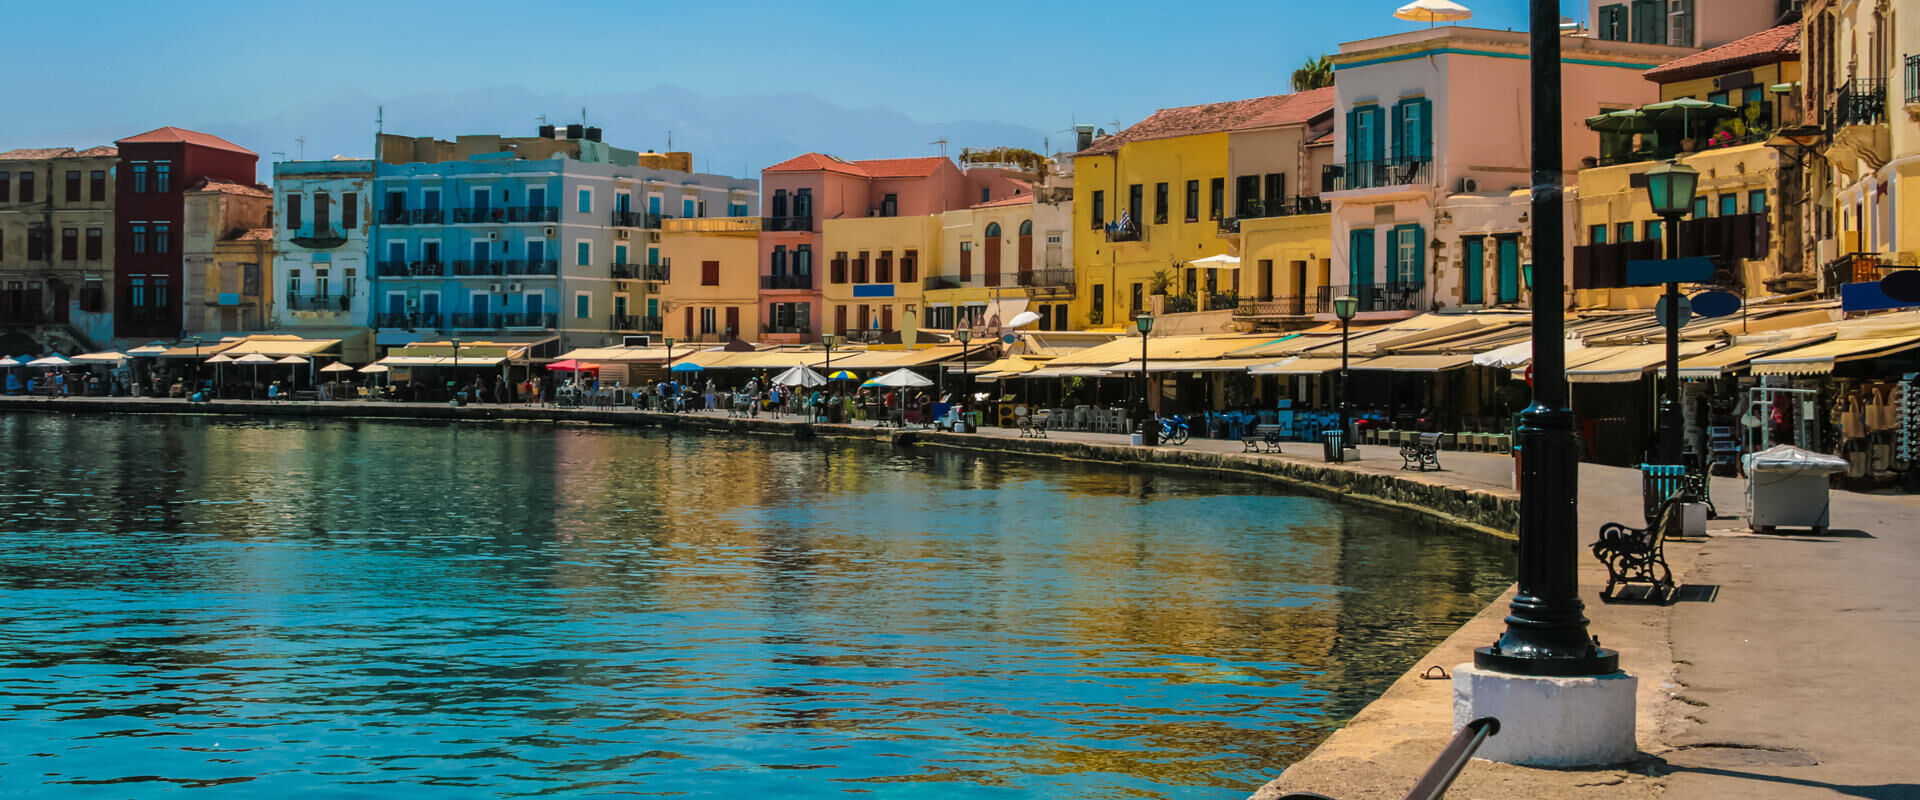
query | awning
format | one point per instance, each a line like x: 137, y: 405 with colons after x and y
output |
x: 627, y: 354
x: 1820, y: 359
x: 1735, y: 357
x: 100, y: 358
x: 1215, y: 262
x: 278, y: 346
x: 1627, y: 364
x: 1202, y: 365
x: 1297, y: 366
x: 1417, y: 363
x: 441, y: 361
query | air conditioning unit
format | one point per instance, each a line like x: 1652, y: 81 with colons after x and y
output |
x: 413, y: 305
x: 552, y: 231
x: 493, y: 288
x: 493, y: 236
x: 514, y: 288
x: 1469, y: 185
x: 620, y: 234
x: 619, y: 286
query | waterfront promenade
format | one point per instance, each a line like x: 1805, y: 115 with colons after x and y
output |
x: 1783, y: 671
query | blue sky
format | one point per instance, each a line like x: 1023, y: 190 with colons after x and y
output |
x: 272, y: 71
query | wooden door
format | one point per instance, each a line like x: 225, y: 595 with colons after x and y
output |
x: 993, y: 261
x: 840, y: 320
x: 733, y: 321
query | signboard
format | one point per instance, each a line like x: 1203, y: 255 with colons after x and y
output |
x: 1685, y: 309
x: 1868, y: 296
x: 1715, y: 303
x: 1653, y: 272
x: 873, y: 290
x: 1902, y: 285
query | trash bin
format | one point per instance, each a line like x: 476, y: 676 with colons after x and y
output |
x: 1333, y: 444
x: 1787, y: 487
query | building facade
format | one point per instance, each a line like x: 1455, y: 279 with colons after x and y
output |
x: 714, y: 295
x: 152, y: 176
x: 1685, y: 23
x: 56, y: 251
x: 1281, y: 237
x: 226, y: 254
x: 322, y: 275
x: 530, y: 236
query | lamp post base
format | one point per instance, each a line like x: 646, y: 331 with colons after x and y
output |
x: 1549, y: 721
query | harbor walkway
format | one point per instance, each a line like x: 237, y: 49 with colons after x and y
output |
x: 1782, y: 672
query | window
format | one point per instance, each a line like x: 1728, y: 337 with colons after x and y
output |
x: 160, y: 237
x: 1099, y: 210
x: 1623, y: 232
x: 161, y: 171
x: 1413, y: 129
x: 1612, y: 23
x: 73, y: 186
x: 582, y: 305
x: 1246, y: 190
x: 1273, y: 188
x: 139, y: 236
x: 322, y: 213
x: 910, y: 266
x: 26, y: 187
x: 803, y: 259
x: 883, y: 268
x: 430, y: 199
x: 1360, y: 256
x: 860, y: 268
x: 1597, y: 234
x: 97, y: 185
x: 1160, y: 203
x: 1757, y: 201
x: 93, y: 295
x: 1099, y: 302
x: 583, y: 254
x: 349, y: 212
x: 1650, y: 21
x: 1366, y: 141
x: 140, y: 177
x: 1507, y: 251
x: 985, y: 194
x: 1139, y: 297
x: 1700, y: 207
x: 1409, y: 254
x: 293, y: 212
x: 1217, y: 198
x: 1474, y: 270
x: 95, y: 244
x: 536, y: 251
x: 686, y: 208
x: 36, y: 244
x: 6, y: 187
x: 736, y: 209
x: 890, y: 205
x: 1193, y: 201
x: 709, y: 273
x: 70, y: 244
x: 586, y: 201
x: 1729, y: 205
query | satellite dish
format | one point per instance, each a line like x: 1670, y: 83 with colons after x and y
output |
x: 1023, y: 319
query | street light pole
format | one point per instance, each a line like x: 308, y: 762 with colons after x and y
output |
x: 1546, y: 632
x: 1345, y: 307
x: 1670, y: 189
x: 1149, y: 431
x: 966, y: 385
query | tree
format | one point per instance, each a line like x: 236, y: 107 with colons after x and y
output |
x: 1315, y: 74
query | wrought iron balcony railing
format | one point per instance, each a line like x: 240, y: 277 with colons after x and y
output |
x: 1390, y: 296
x: 797, y: 328
x: 1274, y: 307
x: 396, y: 216
x: 1861, y: 101
x: 390, y: 319
x: 1044, y: 278
x: 319, y: 302
x: 776, y: 282
x: 637, y: 219
x: 787, y: 224
x: 1403, y: 171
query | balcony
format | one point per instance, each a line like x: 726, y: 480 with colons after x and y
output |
x: 637, y: 219
x: 409, y: 320
x: 643, y: 272
x: 1273, y: 307
x: 322, y: 236
x: 646, y: 324
x: 465, y: 268
x: 1283, y: 207
x: 396, y: 216
x: 534, y: 214
x: 318, y: 302
x: 428, y: 216
x: 506, y: 214
x: 1044, y: 278
x: 937, y: 282
x: 787, y: 224
x: 533, y: 266
x: 153, y: 314
x: 1379, y: 297
x: 1223, y: 301
x: 1913, y: 80
x: 1132, y: 232
x: 1376, y: 174
x: 391, y: 269
x: 1861, y: 101
x: 787, y: 282
x: 623, y: 322
x: 409, y: 269
x: 521, y: 319
x: 801, y: 329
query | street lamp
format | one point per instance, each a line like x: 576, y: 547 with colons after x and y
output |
x: 1546, y: 633
x: 196, y: 366
x: 1345, y: 307
x: 829, y: 340
x: 1670, y: 189
x: 456, y: 369
x: 965, y: 335
x: 1149, y: 432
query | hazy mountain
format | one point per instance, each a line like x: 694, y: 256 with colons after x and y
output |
x: 730, y: 135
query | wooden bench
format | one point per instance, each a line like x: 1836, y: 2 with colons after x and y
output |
x: 304, y: 396
x: 1263, y: 439
x: 1421, y: 453
x: 1638, y: 555
x: 1033, y: 426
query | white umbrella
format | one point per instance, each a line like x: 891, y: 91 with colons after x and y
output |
x: 291, y: 360
x: 1432, y: 11
x: 799, y: 376
x: 336, y: 367
x: 901, y: 378
x: 108, y: 357
x: 374, y: 368
x: 9, y: 362
x: 222, y: 358
x: 50, y: 361
x: 1216, y: 262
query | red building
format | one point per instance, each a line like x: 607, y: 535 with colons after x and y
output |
x: 153, y: 174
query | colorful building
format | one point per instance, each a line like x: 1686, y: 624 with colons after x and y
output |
x: 153, y: 173
x: 56, y: 257
x: 1282, y: 239
x: 322, y: 276
x: 1685, y: 23
x: 226, y: 253
x: 714, y: 294
x: 530, y: 236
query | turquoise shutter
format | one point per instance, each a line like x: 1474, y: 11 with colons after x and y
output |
x: 1353, y: 136
x: 1400, y: 131
x: 1426, y: 128
x: 1419, y: 254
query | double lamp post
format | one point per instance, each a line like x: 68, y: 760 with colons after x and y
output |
x: 1670, y: 190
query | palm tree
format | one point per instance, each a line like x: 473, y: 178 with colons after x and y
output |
x: 1315, y: 74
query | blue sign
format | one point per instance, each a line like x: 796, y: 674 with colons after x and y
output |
x: 1656, y: 271
x: 1715, y: 304
x: 873, y: 290
x: 1867, y: 296
x: 1660, y: 311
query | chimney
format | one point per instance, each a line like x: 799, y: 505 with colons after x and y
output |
x: 1082, y: 137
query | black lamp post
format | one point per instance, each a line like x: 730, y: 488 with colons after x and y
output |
x: 1149, y: 430
x: 196, y: 365
x: 1670, y: 188
x: 456, y: 369
x: 1546, y: 625
x: 1345, y: 307
x: 966, y: 384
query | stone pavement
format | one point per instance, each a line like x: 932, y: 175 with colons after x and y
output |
x: 1782, y: 673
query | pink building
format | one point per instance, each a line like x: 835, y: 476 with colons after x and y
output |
x: 804, y: 192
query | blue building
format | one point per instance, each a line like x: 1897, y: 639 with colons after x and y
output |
x: 535, y: 239
x: 324, y: 220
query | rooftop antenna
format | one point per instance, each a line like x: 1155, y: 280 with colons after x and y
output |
x: 583, y: 115
x: 943, y: 146
x: 281, y: 153
x: 380, y: 119
x: 669, y: 141
x: 302, y: 140
x: 541, y: 117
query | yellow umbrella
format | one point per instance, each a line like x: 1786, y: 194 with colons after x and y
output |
x: 1432, y: 11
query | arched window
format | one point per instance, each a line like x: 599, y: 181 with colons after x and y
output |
x: 993, y: 230
x: 1026, y: 227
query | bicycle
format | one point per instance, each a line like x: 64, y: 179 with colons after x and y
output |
x: 1174, y: 431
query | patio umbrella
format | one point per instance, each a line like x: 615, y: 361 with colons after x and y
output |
x: 686, y: 366
x: 50, y: 362
x: 901, y: 378
x: 256, y: 360
x: 1626, y: 120
x: 10, y: 362
x: 799, y: 376
x: 1685, y: 109
x: 842, y: 375
x: 1432, y: 11
x: 336, y: 367
x: 108, y: 357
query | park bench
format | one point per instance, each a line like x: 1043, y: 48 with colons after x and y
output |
x: 1421, y: 453
x: 1034, y: 426
x: 1638, y: 555
x: 1262, y: 439
x: 1660, y: 482
x: 306, y: 396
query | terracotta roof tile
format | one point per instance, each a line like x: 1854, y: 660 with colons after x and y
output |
x: 817, y: 162
x: 228, y: 187
x: 1024, y: 198
x: 172, y: 134
x: 35, y: 153
x: 1296, y: 109
x: 1766, y: 47
x: 101, y: 151
x: 255, y: 235
x: 1168, y: 123
x: 901, y: 167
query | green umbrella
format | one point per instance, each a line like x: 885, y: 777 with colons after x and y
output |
x: 1629, y: 120
x: 1686, y: 110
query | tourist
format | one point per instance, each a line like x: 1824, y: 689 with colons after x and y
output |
x: 710, y: 388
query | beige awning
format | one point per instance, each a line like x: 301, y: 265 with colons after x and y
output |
x: 1627, y: 364
x: 1414, y: 362
x: 1198, y: 365
x: 1736, y: 356
x: 441, y: 361
x: 1297, y: 366
x: 278, y: 346
x: 1820, y: 359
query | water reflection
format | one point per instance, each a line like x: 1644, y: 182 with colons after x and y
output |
x: 328, y: 607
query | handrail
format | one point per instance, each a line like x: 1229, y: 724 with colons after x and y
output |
x: 1438, y: 778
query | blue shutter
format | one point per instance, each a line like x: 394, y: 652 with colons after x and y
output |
x: 1426, y: 128
x: 1419, y: 254
x: 1400, y: 131
x: 1380, y: 134
x: 1353, y: 136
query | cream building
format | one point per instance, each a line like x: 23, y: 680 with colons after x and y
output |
x: 56, y: 250
x: 712, y: 292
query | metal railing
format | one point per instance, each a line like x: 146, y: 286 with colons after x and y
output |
x: 637, y: 219
x: 1862, y: 101
x: 464, y: 267
x: 533, y: 214
x: 1389, y: 296
x: 1284, y: 207
x: 623, y: 322
x: 390, y: 319
x: 428, y: 216
x: 1273, y: 307
x: 651, y: 324
x: 787, y: 224
x: 391, y: 269
x: 787, y: 329
x: 1131, y: 233
x: 1913, y: 79
x: 1403, y: 171
x: 937, y: 282
x: 525, y: 319
x: 409, y: 269
x: 396, y: 216
x: 786, y: 282
x: 319, y: 302
x: 1223, y: 301
x: 626, y: 272
x: 1044, y: 278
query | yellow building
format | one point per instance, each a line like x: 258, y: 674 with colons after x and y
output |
x: 1150, y: 199
x: 712, y: 292
x: 875, y: 267
x: 990, y: 264
x: 1862, y: 86
x: 227, y: 251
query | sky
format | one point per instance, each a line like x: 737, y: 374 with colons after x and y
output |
x: 741, y: 83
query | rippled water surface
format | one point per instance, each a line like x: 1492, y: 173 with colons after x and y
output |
x: 347, y: 609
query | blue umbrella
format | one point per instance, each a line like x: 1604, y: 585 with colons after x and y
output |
x: 687, y: 366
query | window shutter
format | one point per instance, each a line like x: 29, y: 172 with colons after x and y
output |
x: 1353, y: 138
x: 1400, y: 130
x: 1380, y: 133
x: 1426, y: 128
x: 1419, y: 254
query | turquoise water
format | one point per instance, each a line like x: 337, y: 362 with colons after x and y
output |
x: 362, y: 609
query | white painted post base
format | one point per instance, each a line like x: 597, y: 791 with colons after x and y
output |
x: 1549, y: 722
x: 1349, y: 454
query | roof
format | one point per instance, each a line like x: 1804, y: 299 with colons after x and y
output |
x: 35, y: 153
x: 1766, y: 47
x: 1294, y: 109
x: 1168, y: 123
x: 255, y: 235
x: 1022, y: 199
x: 184, y: 136
x: 870, y: 168
x: 816, y: 162
x: 228, y: 187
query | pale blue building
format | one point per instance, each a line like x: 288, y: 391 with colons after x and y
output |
x: 323, y: 226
